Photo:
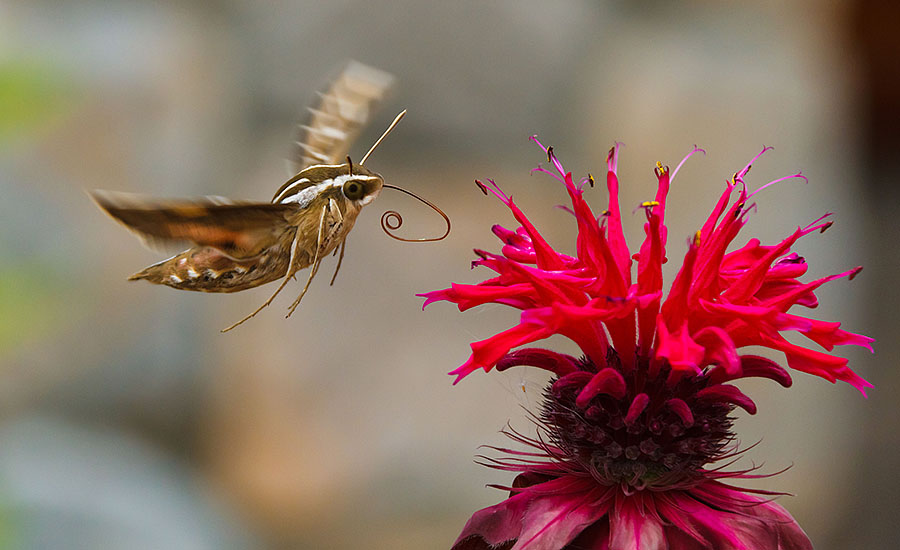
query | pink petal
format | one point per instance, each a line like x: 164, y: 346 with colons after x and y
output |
x: 577, y: 379
x: 608, y: 381
x: 796, y: 293
x: 753, y: 277
x: 547, y: 258
x: 675, y: 308
x: 680, y: 408
x: 720, y: 349
x: 746, y: 522
x: 486, y: 353
x: 632, y: 529
x: 496, y: 524
x: 551, y: 361
x: 649, y: 279
x: 821, y: 364
x: 707, y: 230
x: 638, y: 404
x: 616, y: 235
x: 754, y: 366
x: 469, y: 296
x: 531, y: 510
x: 727, y: 394
x: 679, y: 349
x: 554, y: 520
x: 829, y: 335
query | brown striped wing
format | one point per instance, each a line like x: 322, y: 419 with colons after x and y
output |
x: 343, y: 111
x: 240, y: 230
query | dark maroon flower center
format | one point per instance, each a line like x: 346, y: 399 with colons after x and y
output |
x: 672, y: 435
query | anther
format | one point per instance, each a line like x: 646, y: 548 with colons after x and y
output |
x: 825, y: 227
x: 590, y: 179
x: 647, y: 206
x: 550, y: 154
x: 697, y: 238
x: 660, y: 169
x: 481, y: 186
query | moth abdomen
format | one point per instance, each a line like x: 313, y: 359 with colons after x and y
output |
x: 206, y: 269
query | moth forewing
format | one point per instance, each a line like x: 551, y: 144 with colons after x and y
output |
x: 236, y: 245
x: 240, y: 229
x: 341, y: 113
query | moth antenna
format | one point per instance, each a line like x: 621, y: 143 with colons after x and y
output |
x: 392, y: 220
x: 384, y: 135
x: 349, y: 165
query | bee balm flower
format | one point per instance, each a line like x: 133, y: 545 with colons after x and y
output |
x: 628, y: 432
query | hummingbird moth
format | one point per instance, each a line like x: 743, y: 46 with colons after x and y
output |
x: 236, y: 245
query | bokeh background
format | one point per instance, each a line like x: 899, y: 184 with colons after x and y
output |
x: 128, y: 421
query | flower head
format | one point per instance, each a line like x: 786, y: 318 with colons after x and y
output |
x: 626, y: 432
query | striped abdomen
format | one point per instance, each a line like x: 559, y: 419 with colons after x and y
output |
x: 206, y: 269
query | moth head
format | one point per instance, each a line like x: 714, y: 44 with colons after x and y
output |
x: 361, y: 185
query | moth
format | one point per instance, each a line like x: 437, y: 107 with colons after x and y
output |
x: 237, y: 245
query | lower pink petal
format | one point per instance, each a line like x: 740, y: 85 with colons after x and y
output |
x: 634, y: 529
x: 552, y: 521
x: 496, y: 524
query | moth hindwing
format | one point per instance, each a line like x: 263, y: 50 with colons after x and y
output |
x: 236, y: 245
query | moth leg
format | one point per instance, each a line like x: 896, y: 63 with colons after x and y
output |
x: 340, y: 259
x: 332, y: 213
x: 335, y: 228
x: 288, y: 276
x: 315, y: 265
x: 312, y: 273
x: 335, y: 220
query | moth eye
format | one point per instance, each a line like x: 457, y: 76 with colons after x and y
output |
x: 353, y: 190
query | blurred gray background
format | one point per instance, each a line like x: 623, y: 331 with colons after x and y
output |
x: 128, y: 421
